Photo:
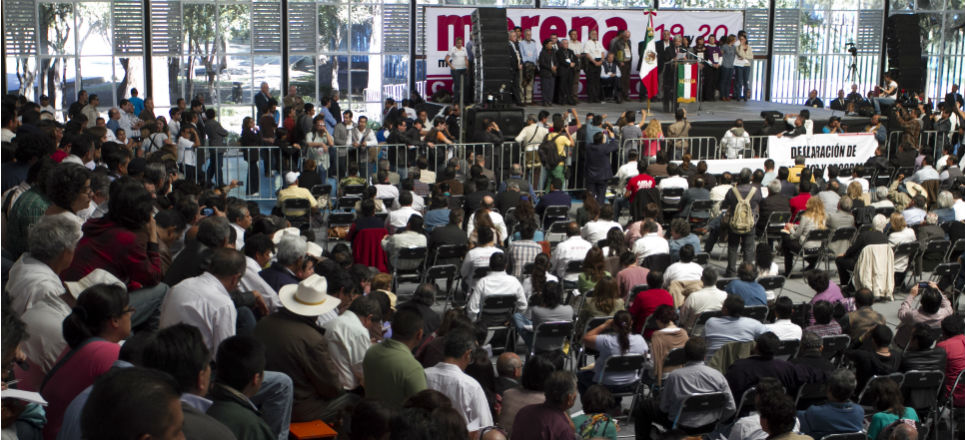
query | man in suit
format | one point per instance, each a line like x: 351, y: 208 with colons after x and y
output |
x: 665, y: 42
x: 668, y: 76
x: 262, y: 98
x: 566, y: 67
x: 620, y: 47
x: 516, y: 64
x: 774, y: 202
x: 547, y: 71
x: 216, y: 138
x: 954, y: 98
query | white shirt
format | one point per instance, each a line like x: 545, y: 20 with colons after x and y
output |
x: 368, y: 139
x: 496, y: 283
x: 959, y: 208
x: 31, y: 280
x: 399, y: 218
x: 239, y: 236
x: 594, y: 49
x: 785, y: 330
x: 465, y: 393
x: 571, y: 249
x: 45, y: 323
x: 708, y: 299
x: 386, y: 191
x: 577, y: 47
x: 252, y: 281
x: 626, y: 172
x: 650, y: 244
x: 458, y: 57
x: 476, y: 257
x: 6, y: 135
x: 348, y: 340
x: 749, y: 428
x: 127, y: 122
x: 203, y: 302
x: 673, y: 182
x: 681, y: 271
x: 596, y: 230
x: 498, y: 221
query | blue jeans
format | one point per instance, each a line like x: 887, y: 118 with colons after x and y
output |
x: 878, y: 101
x: 274, y: 398
x: 726, y: 73
x: 147, y: 306
x: 742, y: 84
x: 521, y: 322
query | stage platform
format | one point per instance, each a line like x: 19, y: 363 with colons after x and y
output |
x: 713, y: 118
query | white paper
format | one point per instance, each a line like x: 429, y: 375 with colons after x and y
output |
x: 27, y: 396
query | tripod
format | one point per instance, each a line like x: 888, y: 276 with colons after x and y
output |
x: 853, y: 69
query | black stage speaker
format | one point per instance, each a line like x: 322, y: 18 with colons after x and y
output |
x: 774, y: 114
x: 510, y: 120
x: 491, y: 52
x: 904, y: 49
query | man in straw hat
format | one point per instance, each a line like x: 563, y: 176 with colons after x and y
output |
x: 297, y: 347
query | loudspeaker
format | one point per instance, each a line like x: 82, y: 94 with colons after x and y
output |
x: 905, y: 56
x: 774, y: 114
x: 491, y: 53
x: 510, y: 120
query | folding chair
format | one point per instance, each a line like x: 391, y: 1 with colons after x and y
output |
x: 703, y: 209
x: 909, y: 250
x: 787, y: 349
x: 657, y: 262
x: 556, y: 232
x: 702, y: 258
x: 840, y: 235
x: 883, y: 177
x: 447, y: 271
x: 757, y: 312
x: 449, y: 253
x: 866, y: 399
x: 811, y: 394
x: 775, y: 282
x: 958, y: 247
x: 846, y: 436
x: 701, y: 320
x: 931, y: 255
x: 555, y: 213
x: 813, y: 252
x: 723, y: 282
x: 950, y: 405
x: 552, y: 335
x: 629, y: 363
x: 747, y: 403
x: 408, y: 255
x: 675, y: 357
x: 496, y: 314
x: 833, y: 348
x: 699, y: 403
x: 291, y: 208
x: 801, y: 314
x: 885, y: 210
x: 670, y: 201
x: 582, y: 351
x: 573, y: 267
x: 921, y: 390
x: 347, y: 202
x: 339, y: 219
x: 774, y: 224
x: 323, y: 192
x: 353, y: 190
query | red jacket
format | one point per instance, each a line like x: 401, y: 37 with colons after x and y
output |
x: 955, y: 348
x: 120, y: 251
x: 799, y: 204
x: 367, y: 248
x: 645, y: 304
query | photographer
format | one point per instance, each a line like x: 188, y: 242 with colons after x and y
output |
x: 598, y: 170
x: 934, y: 307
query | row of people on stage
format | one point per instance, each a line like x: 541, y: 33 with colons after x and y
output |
x: 558, y: 63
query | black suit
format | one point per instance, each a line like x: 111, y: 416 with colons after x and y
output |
x: 773, y: 203
x: 564, y: 80
x: 668, y: 78
x: 546, y: 62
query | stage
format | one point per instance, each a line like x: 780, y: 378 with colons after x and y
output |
x: 713, y: 119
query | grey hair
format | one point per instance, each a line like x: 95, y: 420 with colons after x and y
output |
x: 882, y: 193
x: 290, y: 249
x: 558, y: 387
x: 811, y: 341
x: 100, y: 184
x: 931, y: 218
x: 52, y: 235
x: 879, y: 222
x: 799, y: 160
x: 513, y: 186
x: 845, y: 204
x: 945, y: 199
x: 774, y: 187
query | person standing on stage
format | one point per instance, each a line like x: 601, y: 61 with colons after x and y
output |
x: 712, y: 72
x: 577, y: 47
x: 728, y: 54
x: 669, y: 74
x: 458, y: 61
x: 529, y: 49
x: 566, y: 68
x: 593, y: 56
x: 620, y: 46
x: 742, y: 68
x: 547, y: 72
x: 610, y: 77
x: 666, y: 40
x: 517, y: 66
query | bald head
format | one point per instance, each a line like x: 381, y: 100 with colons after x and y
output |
x: 509, y: 365
x: 488, y: 202
x: 904, y: 432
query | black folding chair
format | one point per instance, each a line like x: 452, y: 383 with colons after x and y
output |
x: 932, y: 255
x: 867, y: 399
x: 339, y: 219
x: 958, y: 247
x: 496, y: 314
x: 583, y: 351
x: 774, y: 224
x: 909, y: 250
x: 406, y: 256
x: 787, y: 349
x: 723, y: 282
x: 700, y: 213
x: 846, y: 436
x: 833, y: 347
x: 701, y: 320
x: 556, y: 232
x: 446, y: 253
x: 841, y: 235
x: 670, y: 201
x: 555, y: 213
x: 747, y: 403
x: 449, y: 272
x: 816, y: 252
x: 700, y: 403
x: 702, y: 258
x: 657, y: 262
x: 757, y: 312
x: 297, y: 211
x: 921, y: 390
x: 554, y: 334
x: 629, y: 363
x: 811, y: 394
x: 775, y: 282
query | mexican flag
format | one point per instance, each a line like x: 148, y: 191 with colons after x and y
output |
x: 648, y: 68
x: 687, y: 82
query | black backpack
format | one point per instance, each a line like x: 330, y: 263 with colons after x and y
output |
x: 548, y: 153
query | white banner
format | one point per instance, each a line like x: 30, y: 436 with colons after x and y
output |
x: 445, y: 24
x: 822, y: 150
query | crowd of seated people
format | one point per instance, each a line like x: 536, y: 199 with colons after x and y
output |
x: 134, y: 294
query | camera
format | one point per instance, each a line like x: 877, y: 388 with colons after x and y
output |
x: 851, y: 48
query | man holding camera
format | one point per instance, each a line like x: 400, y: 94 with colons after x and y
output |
x: 933, y: 309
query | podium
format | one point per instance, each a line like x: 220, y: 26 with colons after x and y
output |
x: 688, y: 80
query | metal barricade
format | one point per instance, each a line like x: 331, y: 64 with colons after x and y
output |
x: 758, y: 147
x: 260, y: 170
x: 699, y: 148
x: 894, y: 139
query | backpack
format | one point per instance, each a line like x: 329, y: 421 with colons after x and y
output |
x: 742, y: 216
x: 548, y: 153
